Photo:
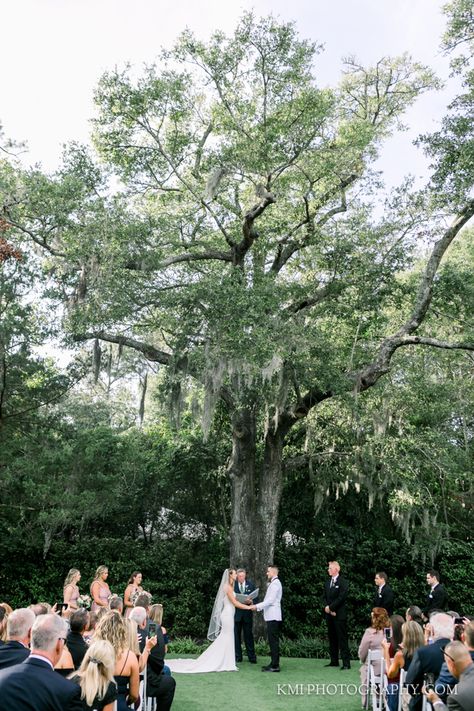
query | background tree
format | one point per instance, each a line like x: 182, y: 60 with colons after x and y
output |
x: 244, y: 252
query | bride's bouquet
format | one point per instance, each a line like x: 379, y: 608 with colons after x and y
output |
x: 84, y: 602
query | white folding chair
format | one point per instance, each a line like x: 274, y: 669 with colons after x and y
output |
x: 376, y: 683
x: 400, y: 689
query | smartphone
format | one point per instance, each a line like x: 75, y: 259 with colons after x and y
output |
x: 459, y: 620
x: 152, y: 629
x: 60, y: 606
x: 387, y: 633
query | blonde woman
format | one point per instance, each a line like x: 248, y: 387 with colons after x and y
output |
x: 132, y: 639
x: 100, y: 590
x: 71, y: 591
x: 133, y: 586
x: 156, y: 615
x: 112, y: 628
x: 96, y: 677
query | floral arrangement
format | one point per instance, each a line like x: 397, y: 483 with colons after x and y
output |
x: 84, y: 601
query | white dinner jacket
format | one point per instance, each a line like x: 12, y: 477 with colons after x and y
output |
x: 271, y: 604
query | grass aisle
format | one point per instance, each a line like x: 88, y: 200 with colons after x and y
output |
x: 259, y: 691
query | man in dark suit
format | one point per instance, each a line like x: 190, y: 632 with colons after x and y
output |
x: 34, y: 685
x: 335, y: 596
x: 384, y: 596
x: 429, y: 658
x: 461, y: 667
x: 243, y: 619
x: 16, y: 649
x: 75, y: 641
x: 436, y: 598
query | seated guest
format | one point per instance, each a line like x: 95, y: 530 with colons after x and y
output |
x: 134, y: 587
x: 116, y: 603
x: 412, y: 638
x: 396, y: 623
x: 429, y: 658
x: 65, y: 665
x: 372, y: 639
x: 75, y: 642
x: 159, y: 686
x: 34, y: 684
x: 41, y: 608
x: 446, y: 680
x: 16, y: 648
x: 112, y: 628
x: 156, y: 615
x: 89, y: 633
x: 96, y: 677
x: 138, y: 618
x: 414, y: 614
x: 139, y: 615
x: 3, y: 625
x: 460, y: 665
x: 143, y: 600
x: 5, y: 610
x: 100, y: 590
x: 71, y: 591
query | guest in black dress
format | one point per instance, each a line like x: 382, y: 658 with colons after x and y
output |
x: 112, y: 628
x: 96, y: 677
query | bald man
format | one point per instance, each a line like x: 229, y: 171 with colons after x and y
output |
x: 460, y: 665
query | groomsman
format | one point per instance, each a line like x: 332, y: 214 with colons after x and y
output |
x: 335, y: 595
x: 271, y: 607
x: 384, y: 596
x: 436, y: 598
x: 243, y: 620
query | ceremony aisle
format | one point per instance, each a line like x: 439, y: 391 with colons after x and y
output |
x: 251, y: 688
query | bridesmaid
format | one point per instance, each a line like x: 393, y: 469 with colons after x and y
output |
x: 100, y: 590
x: 71, y: 591
x: 133, y: 586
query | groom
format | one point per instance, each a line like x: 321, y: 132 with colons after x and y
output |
x: 271, y: 607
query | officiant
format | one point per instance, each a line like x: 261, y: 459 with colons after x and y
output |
x: 243, y: 620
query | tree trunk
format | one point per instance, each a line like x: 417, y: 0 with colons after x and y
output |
x: 241, y: 472
x: 268, y: 505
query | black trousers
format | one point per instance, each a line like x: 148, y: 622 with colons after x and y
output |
x: 273, y: 634
x: 245, y: 625
x: 338, y: 644
x: 162, y: 689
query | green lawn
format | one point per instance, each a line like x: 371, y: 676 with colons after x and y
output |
x: 259, y: 691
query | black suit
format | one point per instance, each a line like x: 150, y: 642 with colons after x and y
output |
x: 76, y: 644
x: 385, y: 598
x: 35, y: 686
x: 435, y: 600
x: 243, y: 622
x: 336, y: 596
x: 12, y: 653
x: 428, y: 658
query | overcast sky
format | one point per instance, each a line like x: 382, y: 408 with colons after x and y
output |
x: 52, y: 53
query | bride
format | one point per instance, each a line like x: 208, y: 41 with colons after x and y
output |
x: 220, y: 655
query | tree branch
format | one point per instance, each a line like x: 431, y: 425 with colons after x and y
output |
x: 212, y: 254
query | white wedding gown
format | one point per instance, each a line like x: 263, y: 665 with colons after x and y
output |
x: 219, y: 656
